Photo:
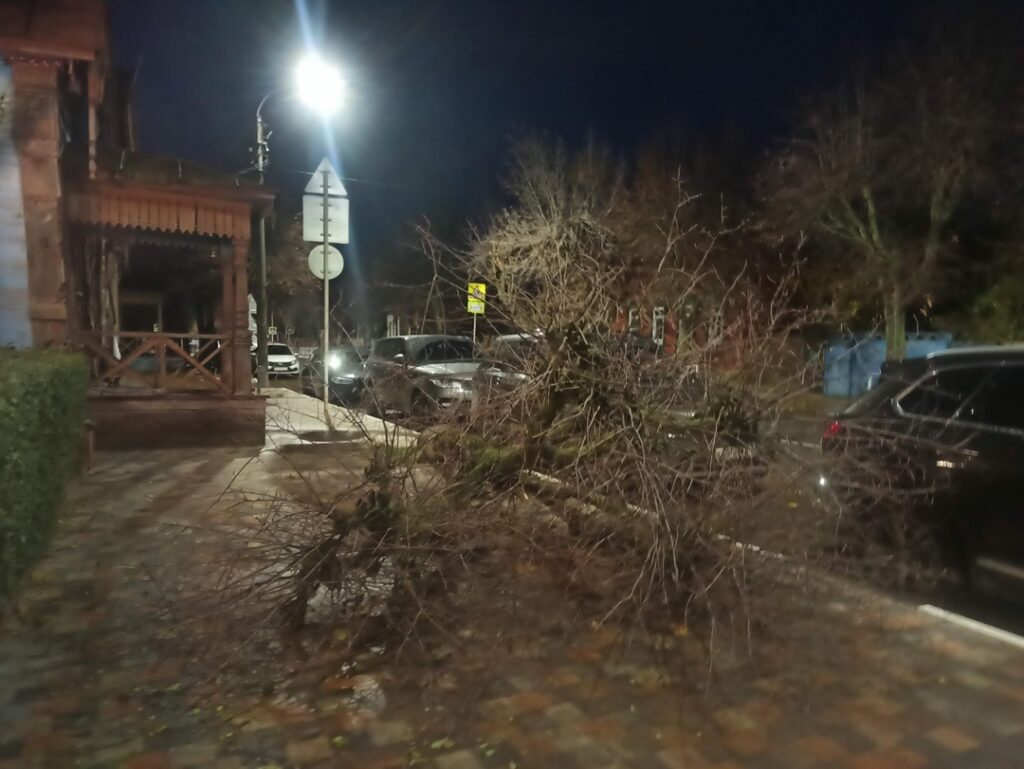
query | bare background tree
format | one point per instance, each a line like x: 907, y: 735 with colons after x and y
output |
x: 899, y: 175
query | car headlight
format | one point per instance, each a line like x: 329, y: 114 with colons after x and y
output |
x: 333, y: 361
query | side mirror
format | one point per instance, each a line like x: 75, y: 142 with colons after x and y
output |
x: 399, y: 358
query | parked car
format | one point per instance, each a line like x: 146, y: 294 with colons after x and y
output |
x: 281, y: 361
x: 344, y: 370
x: 511, y: 361
x: 419, y: 374
x: 943, y: 439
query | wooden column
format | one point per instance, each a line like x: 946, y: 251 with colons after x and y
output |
x: 37, y: 138
x: 243, y: 342
x: 225, y: 319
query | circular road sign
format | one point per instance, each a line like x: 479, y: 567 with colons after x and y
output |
x: 335, y: 262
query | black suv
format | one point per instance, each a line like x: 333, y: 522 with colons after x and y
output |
x: 940, y: 440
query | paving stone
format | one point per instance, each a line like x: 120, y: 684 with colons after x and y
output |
x: 881, y: 733
x: 390, y: 732
x: 811, y: 751
x: 1005, y: 724
x: 564, y: 714
x: 606, y: 728
x: 308, y: 751
x: 522, y: 683
x: 149, y: 761
x: 195, y: 754
x: 683, y: 759
x: 898, y: 758
x: 120, y: 752
x: 460, y: 759
x: 584, y: 751
x: 953, y: 739
x: 10, y: 748
x: 747, y: 742
x: 48, y: 742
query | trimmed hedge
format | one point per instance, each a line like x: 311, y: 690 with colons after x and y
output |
x: 42, y: 414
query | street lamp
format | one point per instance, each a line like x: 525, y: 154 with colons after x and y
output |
x: 320, y: 86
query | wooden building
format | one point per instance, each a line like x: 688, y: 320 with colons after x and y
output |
x: 141, y: 261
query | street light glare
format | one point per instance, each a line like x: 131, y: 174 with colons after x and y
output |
x: 320, y: 85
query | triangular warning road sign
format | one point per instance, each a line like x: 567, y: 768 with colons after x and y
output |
x: 334, y: 186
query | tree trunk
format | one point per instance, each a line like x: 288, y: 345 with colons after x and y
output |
x: 895, y: 326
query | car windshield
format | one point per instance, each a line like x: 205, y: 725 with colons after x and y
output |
x: 278, y: 349
x: 514, y: 348
x: 445, y: 350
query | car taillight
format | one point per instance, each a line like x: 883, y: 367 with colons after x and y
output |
x: 832, y: 429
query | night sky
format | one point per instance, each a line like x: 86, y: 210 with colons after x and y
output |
x: 438, y: 86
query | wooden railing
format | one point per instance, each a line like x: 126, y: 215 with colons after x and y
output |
x: 201, y: 371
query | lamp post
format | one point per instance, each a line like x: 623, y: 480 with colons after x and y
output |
x: 321, y: 88
x: 263, y: 377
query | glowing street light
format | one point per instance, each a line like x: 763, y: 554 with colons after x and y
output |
x: 319, y: 85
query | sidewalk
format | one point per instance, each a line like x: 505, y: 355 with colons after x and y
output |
x: 91, y: 674
x: 295, y: 419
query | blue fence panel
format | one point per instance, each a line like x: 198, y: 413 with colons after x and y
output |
x: 924, y: 344
x: 853, y: 363
x: 866, y: 364
x: 837, y: 368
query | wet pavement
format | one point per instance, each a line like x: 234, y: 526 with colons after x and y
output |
x: 95, y: 671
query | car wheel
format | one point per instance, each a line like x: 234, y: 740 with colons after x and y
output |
x: 369, y: 402
x: 422, y: 406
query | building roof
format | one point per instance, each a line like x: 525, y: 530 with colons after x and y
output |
x: 123, y: 168
x: 56, y: 29
x: 164, y: 194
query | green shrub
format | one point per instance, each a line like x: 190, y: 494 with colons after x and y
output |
x: 42, y: 413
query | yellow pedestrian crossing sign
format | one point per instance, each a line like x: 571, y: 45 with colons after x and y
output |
x: 476, y: 300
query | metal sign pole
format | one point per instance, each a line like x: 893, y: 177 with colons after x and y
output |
x: 326, y: 361
x: 329, y: 201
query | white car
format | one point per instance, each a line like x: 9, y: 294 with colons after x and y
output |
x: 281, y: 361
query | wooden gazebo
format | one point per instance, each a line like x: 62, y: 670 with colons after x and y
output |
x: 185, y: 384
x: 85, y: 212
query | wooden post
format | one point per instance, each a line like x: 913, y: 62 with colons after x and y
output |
x: 37, y: 135
x: 227, y: 315
x: 242, y: 336
x: 161, y: 365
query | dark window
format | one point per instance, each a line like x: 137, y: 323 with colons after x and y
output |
x: 278, y: 349
x: 941, y: 394
x: 389, y: 348
x: 445, y: 349
x: 1003, y: 401
x: 513, y: 349
x: 886, y: 388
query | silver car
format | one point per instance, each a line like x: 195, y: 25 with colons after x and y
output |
x: 420, y: 374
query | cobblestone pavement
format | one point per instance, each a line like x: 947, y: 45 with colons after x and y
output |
x: 91, y: 676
